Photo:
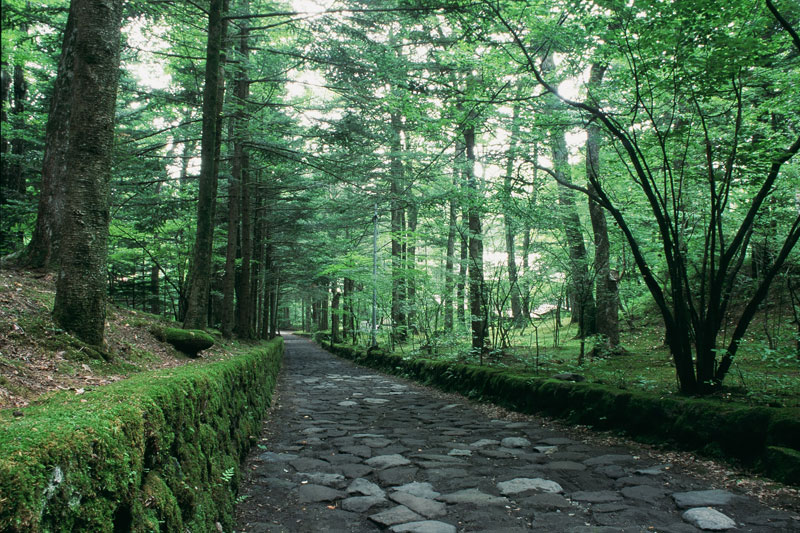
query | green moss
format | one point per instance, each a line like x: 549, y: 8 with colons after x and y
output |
x: 783, y: 464
x: 188, y: 341
x: 136, y: 450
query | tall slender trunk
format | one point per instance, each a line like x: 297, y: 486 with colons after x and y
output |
x: 81, y: 292
x: 200, y: 275
x: 510, y: 224
x: 477, y: 304
x: 449, y: 274
x: 229, y: 280
x: 398, y: 232
x: 241, y: 163
x: 410, y: 266
x: 526, y: 250
x: 463, y: 232
x: 348, y: 329
x: 335, y: 316
x: 581, y: 297
x: 606, y: 281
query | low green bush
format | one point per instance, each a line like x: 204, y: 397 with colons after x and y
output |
x: 158, y: 451
x: 762, y: 438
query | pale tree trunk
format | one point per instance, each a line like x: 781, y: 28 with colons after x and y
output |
x: 583, y: 307
x: 200, y: 275
x: 607, y: 294
x: 80, y: 302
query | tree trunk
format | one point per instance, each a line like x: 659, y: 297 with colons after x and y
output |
x: 80, y: 302
x: 200, y: 275
x: 477, y: 304
x: 582, y: 300
x: 449, y: 273
x: 155, y: 296
x: 410, y: 265
x: 335, y: 314
x: 463, y: 232
x: 229, y: 281
x: 43, y: 250
x: 398, y: 232
x: 348, y: 330
x: 606, y: 280
x: 241, y: 164
x: 510, y: 225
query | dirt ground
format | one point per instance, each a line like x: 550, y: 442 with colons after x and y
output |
x: 37, y: 359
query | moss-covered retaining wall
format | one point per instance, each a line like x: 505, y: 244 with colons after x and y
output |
x: 763, y: 438
x: 157, y: 452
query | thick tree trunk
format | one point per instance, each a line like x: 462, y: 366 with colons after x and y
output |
x: 80, y: 302
x: 200, y: 275
x: 477, y: 304
x: 43, y: 250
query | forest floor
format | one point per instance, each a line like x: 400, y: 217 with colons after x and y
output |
x: 37, y: 358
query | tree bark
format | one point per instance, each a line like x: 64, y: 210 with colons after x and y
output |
x: 477, y: 304
x: 583, y: 306
x: 80, y: 302
x: 241, y: 164
x: 449, y: 272
x: 398, y: 232
x: 509, y: 223
x: 43, y: 249
x: 229, y: 281
x: 200, y: 275
x: 606, y: 280
x: 335, y: 314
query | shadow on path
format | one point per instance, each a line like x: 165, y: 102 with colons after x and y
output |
x: 349, y: 449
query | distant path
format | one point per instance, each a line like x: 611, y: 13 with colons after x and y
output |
x: 349, y: 449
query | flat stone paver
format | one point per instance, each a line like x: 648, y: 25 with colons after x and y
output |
x: 347, y: 449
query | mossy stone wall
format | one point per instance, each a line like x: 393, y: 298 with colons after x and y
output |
x: 762, y: 438
x: 157, y: 452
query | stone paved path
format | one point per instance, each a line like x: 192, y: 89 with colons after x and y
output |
x: 349, y: 449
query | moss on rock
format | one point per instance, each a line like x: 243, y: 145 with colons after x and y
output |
x: 188, y: 341
x: 158, y: 448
